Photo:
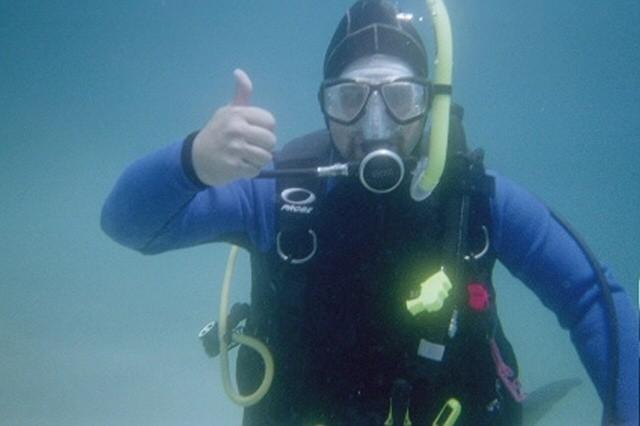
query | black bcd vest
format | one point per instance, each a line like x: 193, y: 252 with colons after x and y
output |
x: 329, y: 298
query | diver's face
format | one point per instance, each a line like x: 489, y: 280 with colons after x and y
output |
x: 375, y: 127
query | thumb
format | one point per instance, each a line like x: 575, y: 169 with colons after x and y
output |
x: 244, y: 87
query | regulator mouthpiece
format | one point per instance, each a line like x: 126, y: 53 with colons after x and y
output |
x: 381, y: 171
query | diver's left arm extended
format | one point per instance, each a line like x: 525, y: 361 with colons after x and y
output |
x: 537, y: 249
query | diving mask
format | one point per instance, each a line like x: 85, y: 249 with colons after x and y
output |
x: 343, y: 100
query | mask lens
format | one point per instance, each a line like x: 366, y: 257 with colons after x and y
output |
x: 344, y: 101
x: 405, y: 99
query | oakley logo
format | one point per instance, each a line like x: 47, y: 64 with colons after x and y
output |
x: 298, y: 196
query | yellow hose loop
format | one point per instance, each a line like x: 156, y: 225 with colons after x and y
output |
x: 251, y: 342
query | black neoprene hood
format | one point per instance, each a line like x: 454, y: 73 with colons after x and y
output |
x: 370, y: 27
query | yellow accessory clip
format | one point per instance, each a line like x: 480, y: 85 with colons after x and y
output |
x: 449, y: 413
x: 433, y: 293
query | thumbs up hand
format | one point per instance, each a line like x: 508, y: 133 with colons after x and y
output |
x: 237, y: 141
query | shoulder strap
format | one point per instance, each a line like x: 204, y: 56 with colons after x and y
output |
x: 299, y: 198
x: 466, y: 192
x: 466, y: 188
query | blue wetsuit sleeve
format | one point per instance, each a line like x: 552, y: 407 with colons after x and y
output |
x: 156, y: 206
x: 541, y: 253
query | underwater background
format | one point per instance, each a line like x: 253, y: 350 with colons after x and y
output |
x: 92, y: 333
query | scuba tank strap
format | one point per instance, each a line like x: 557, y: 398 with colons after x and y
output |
x: 469, y: 259
x: 466, y: 190
x: 468, y: 245
x: 467, y: 209
x: 468, y: 256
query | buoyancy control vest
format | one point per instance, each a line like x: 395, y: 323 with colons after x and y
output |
x: 330, y: 301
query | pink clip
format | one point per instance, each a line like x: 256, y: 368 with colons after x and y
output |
x: 478, y: 297
x: 506, y: 374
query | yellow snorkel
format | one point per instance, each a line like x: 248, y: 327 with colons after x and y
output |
x: 429, y: 170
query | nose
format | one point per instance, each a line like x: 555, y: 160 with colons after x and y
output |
x: 376, y: 123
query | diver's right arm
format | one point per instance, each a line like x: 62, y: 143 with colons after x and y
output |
x: 194, y: 192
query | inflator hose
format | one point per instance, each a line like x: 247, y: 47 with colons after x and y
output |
x: 614, y: 340
x: 241, y: 339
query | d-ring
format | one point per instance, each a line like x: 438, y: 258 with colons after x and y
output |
x: 301, y: 260
x: 484, y: 250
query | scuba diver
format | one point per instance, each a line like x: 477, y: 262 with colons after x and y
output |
x: 371, y: 290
